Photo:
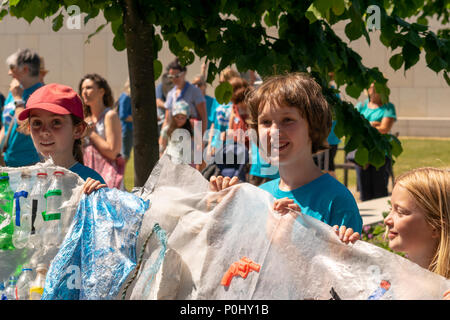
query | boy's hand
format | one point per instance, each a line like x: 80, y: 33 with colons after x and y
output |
x: 279, y: 229
x: 346, y: 235
x: 283, y: 206
x: 92, y: 185
x: 219, y: 183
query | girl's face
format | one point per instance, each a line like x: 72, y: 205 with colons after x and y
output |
x: 180, y: 120
x: 91, y: 93
x: 293, y: 143
x: 53, y: 134
x: 408, y: 230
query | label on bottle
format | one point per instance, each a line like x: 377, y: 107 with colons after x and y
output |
x: 51, y: 216
x: 36, y: 293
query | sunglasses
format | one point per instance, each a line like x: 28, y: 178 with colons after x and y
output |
x: 174, y: 76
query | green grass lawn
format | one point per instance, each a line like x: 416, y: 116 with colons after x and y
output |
x: 417, y: 152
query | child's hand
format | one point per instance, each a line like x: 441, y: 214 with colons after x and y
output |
x: 279, y: 229
x: 92, y: 185
x: 346, y: 235
x: 446, y: 295
x: 219, y: 183
x: 283, y: 205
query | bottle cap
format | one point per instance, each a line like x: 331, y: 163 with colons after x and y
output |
x: 41, y: 267
x: 58, y: 172
x: 41, y: 174
x: 4, y: 176
x: 27, y: 269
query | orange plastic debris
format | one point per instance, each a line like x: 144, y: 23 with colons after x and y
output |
x: 242, y: 268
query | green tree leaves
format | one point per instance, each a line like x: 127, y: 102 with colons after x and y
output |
x: 223, y: 92
x: 396, y: 61
x: 231, y: 32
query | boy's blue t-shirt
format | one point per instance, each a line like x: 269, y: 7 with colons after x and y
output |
x: 325, y: 199
x: 86, y: 172
x: 259, y: 167
x: 21, y: 150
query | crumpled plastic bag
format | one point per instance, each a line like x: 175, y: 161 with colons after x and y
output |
x: 206, y: 233
x: 99, y: 251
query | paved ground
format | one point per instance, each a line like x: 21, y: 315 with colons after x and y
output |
x: 372, y: 211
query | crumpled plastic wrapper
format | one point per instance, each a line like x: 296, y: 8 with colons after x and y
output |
x: 32, y: 254
x: 206, y: 233
x: 99, y: 251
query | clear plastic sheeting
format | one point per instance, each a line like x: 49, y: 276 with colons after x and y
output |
x: 33, y: 251
x: 231, y: 245
x: 99, y: 251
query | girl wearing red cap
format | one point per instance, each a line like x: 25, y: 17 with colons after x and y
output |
x: 56, y: 123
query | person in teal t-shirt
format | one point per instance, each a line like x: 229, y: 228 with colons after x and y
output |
x: 372, y: 182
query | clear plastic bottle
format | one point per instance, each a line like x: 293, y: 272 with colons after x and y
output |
x: 2, y: 291
x: 6, y: 209
x: 52, y: 217
x: 37, y: 286
x: 22, y: 212
x: 37, y: 202
x: 24, y: 284
x: 10, y: 291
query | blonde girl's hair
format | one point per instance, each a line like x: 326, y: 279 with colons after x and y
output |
x: 298, y: 90
x: 430, y: 188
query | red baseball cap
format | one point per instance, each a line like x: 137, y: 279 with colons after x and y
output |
x: 56, y: 98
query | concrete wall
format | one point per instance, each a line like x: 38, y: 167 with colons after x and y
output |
x: 420, y: 96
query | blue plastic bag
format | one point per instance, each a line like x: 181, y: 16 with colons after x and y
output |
x: 99, y: 251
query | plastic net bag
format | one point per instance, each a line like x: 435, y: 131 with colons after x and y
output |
x: 99, y: 251
x: 231, y: 245
x: 30, y: 231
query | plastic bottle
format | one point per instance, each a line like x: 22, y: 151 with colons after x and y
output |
x: 6, y: 209
x: 37, y: 202
x: 52, y: 216
x: 10, y: 291
x: 24, y: 284
x: 37, y: 286
x: 2, y: 291
x: 22, y: 212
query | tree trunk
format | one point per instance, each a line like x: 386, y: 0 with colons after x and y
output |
x: 139, y: 40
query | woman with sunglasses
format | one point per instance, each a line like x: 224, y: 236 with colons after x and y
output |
x: 183, y: 90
